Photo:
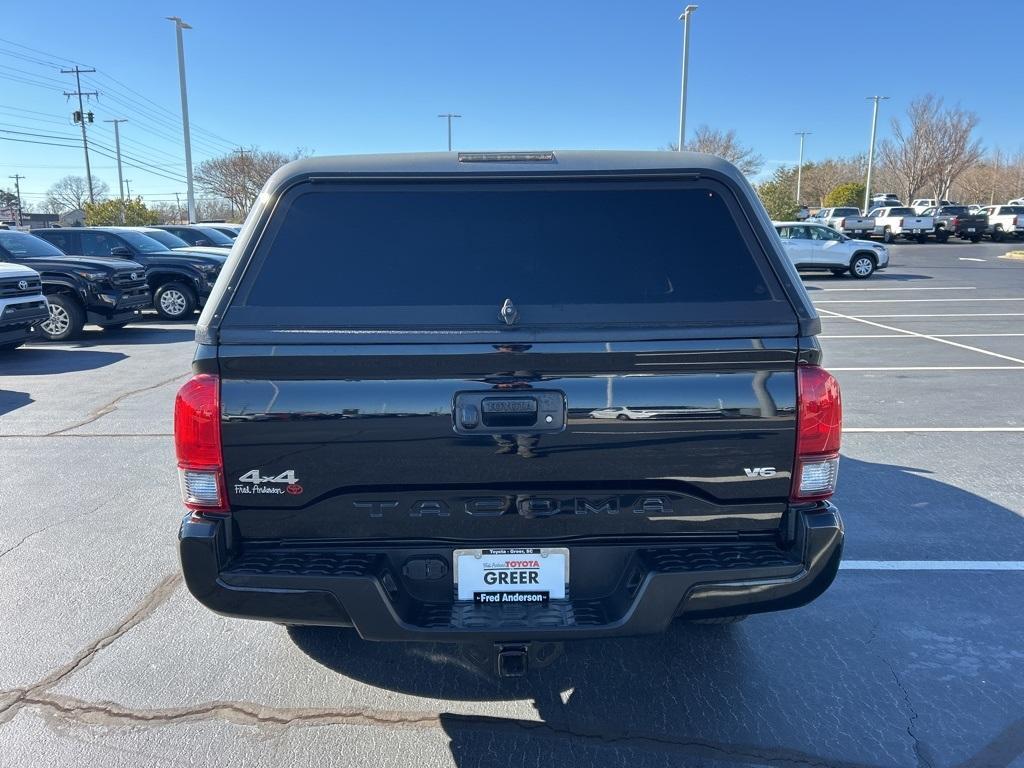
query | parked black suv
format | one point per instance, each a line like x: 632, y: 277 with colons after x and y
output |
x: 529, y: 397
x: 198, y: 234
x: 108, y: 292
x: 180, y: 282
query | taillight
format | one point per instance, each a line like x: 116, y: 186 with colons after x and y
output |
x: 956, y: 222
x: 819, y: 429
x: 197, y: 443
x: 842, y: 223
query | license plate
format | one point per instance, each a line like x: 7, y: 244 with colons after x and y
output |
x: 970, y: 229
x: 915, y: 231
x: 511, y: 576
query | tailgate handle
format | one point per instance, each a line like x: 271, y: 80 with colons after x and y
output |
x: 493, y: 413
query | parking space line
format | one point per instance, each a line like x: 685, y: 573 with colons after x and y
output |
x: 941, y: 314
x: 927, y: 336
x: 905, y: 336
x: 930, y: 368
x: 847, y: 430
x: 908, y: 301
x: 968, y: 258
x: 922, y: 288
x: 931, y: 565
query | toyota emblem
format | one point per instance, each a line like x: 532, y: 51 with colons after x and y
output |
x: 135, y: 276
x: 23, y: 285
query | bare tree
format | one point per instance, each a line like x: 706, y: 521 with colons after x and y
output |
x: 822, y: 177
x: 725, y: 145
x: 907, y: 156
x: 935, y: 149
x: 72, y: 193
x: 238, y: 177
x: 996, y: 178
x: 952, y: 148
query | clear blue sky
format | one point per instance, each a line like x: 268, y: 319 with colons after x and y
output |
x: 340, y: 77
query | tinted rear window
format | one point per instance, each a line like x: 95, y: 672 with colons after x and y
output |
x: 562, y: 252
x: 902, y: 212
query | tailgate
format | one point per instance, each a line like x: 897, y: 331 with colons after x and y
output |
x: 568, y: 440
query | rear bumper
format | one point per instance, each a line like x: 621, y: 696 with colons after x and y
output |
x: 360, y: 587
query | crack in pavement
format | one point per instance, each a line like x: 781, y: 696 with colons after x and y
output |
x: 922, y: 758
x: 69, y: 709
x: 102, y: 411
x: 45, y: 528
x: 156, y: 597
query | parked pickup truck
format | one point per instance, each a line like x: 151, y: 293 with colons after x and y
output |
x: 107, y: 292
x: 409, y: 444
x: 957, y: 220
x: 845, y: 220
x: 922, y: 203
x: 22, y: 303
x: 814, y: 247
x: 180, y: 281
x: 1005, y: 221
x: 892, y: 223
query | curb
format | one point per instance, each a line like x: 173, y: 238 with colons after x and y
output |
x: 1018, y: 255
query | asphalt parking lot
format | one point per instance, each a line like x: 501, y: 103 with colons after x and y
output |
x: 914, y: 657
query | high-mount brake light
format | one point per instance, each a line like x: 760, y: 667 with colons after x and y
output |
x: 197, y: 443
x: 818, y: 434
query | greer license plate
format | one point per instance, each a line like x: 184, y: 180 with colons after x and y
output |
x: 514, y: 575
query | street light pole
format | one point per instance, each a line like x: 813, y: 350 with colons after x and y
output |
x: 117, y: 150
x: 871, y: 151
x: 178, y: 26
x: 800, y: 165
x: 685, y: 18
x: 449, y: 115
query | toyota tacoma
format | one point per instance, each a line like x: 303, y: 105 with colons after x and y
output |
x: 79, y: 290
x: 416, y: 443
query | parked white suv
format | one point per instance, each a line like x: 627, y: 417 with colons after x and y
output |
x: 22, y: 304
x: 817, y: 247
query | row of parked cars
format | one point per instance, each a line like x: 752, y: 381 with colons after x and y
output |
x: 890, y: 220
x: 54, y: 281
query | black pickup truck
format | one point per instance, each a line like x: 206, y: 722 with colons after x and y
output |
x: 957, y: 220
x: 107, y: 292
x: 529, y: 398
x: 179, y: 281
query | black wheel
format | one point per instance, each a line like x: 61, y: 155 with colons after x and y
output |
x: 114, y: 326
x: 887, y: 235
x: 174, y: 301
x: 66, y: 318
x: 721, y: 620
x: 941, y: 236
x: 923, y: 238
x: 622, y: 417
x: 975, y: 238
x: 998, y: 235
x: 862, y: 266
x: 838, y: 272
x: 10, y: 346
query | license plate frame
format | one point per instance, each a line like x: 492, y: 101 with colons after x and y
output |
x: 552, y: 581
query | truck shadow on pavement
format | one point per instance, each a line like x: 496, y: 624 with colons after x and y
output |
x: 36, y: 361
x: 11, y: 400
x: 840, y: 682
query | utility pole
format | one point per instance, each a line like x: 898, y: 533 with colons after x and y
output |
x: 800, y: 165
x: 128, y: 186
x: 190, y: 191
x: 244, y: 197
x: 177, y: 202
x: 449, y: 115
x: 685, y: 18
x: 17, y: 191
x: 80, y: 118
x: 871, y: 151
